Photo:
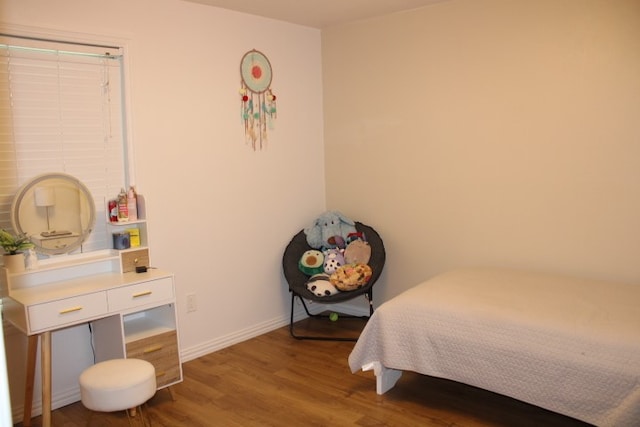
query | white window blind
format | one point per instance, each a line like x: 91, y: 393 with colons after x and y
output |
x: 61, y: 110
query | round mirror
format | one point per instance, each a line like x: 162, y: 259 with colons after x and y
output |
x: 56, y: 211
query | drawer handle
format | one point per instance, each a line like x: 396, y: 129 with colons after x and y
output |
x: 141, y: 294
x: 71, y: 310
x: 152, y: 349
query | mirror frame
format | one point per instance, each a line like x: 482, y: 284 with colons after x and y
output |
x: 30, y: 185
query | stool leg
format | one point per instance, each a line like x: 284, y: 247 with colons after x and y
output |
x: 128, y: 416
x: 133, y: 413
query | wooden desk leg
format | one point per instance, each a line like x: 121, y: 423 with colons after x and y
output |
x: 32, y: 352
x: 171, y: 393
x: 45, y: 365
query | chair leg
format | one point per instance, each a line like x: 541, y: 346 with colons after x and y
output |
x: 324, y: 316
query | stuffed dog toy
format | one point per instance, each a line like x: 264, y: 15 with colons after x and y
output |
x: 329, y: 230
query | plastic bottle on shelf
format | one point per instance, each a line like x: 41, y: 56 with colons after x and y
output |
x: 113, y: 210
x: 132, y: 204
x: 123, y: 210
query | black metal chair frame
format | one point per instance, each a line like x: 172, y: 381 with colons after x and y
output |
x: 297, y: 280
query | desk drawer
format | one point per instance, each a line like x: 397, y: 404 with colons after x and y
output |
x: 140, y: 294
x: 162, y: 351
x: 168, y: 376
x: 67, y: 311
x: 58, y: 242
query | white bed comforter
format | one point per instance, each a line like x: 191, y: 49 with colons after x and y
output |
x: 571, y: 346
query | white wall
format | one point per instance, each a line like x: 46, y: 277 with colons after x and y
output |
x: 469, y: 132
x: 492, y: 132
x: 219, y: 213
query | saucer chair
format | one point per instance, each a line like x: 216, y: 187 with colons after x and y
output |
x: 297, y: 279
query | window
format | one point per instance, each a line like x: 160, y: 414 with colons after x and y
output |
x: 61, y: 110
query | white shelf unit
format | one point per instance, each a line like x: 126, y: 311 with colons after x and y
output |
x: 140, y: 224
x: 147, y: 323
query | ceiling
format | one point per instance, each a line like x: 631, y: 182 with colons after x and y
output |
x: 318, y: 13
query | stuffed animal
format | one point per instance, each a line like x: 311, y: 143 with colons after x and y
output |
x: 351, y: 277
x: 333, y: 259
x: 337, y: 241
x: 357, y: 252
x: 329, y: 230
x: 311, y: 262
x: 358, y: 235
x: 321, y: 286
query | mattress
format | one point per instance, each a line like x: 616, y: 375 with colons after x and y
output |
x: 568, y: 345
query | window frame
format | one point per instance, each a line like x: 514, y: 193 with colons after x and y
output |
x: 128, y: 161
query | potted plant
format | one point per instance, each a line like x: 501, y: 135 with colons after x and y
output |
x: 13, y: 246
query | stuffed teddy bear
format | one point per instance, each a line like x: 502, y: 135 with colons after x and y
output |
x: 321, y: 286
x: 329, y: 230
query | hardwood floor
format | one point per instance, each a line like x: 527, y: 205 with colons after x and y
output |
x: 275, y: 380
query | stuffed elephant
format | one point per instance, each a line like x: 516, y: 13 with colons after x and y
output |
x: 329, y: 230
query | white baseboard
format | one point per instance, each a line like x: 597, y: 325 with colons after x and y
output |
x: 58, y: 400
x: 268, y: 326
x: 236, y: 337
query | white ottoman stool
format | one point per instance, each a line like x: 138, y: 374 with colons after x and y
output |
x: 118, y: 385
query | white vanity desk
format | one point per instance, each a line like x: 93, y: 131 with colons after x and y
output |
x: 131, y: 314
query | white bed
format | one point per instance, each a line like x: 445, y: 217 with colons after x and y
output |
x: 568, y: 345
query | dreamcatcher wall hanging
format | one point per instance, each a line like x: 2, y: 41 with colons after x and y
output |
x: 258, y: 106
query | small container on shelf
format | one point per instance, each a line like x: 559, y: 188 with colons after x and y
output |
x: 134, y: 236
x: 121, y: 240
x: 113, y: 210
x: 137, y: 228
x: 132, y: 205
x: 123, y: 209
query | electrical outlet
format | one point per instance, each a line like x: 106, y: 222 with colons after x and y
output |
x: 191, y: 303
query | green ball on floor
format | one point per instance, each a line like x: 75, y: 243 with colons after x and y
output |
x: 333, y: 317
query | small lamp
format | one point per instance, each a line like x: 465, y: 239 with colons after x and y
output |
x: 45, y: 198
